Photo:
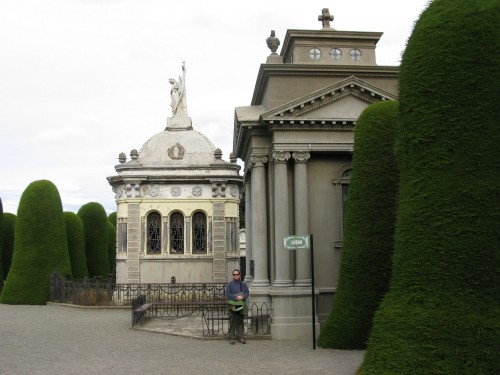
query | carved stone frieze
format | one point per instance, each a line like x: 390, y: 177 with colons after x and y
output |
x: 175, y: 191
x: 197, y: 191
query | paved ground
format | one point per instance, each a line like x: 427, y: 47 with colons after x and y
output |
x: 54, y: 339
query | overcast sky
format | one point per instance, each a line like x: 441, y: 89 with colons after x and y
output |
x: 83, y: 80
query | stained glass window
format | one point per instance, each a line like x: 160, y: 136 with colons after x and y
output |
x: 177, y: 233
x: 199, y: 233
x: 154, y: 233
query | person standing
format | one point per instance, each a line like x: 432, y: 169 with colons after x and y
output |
x: 237, y: 294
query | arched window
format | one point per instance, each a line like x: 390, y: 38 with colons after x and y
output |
x: 154, y: 233
x: 199, y: 233
x: 177, y: 233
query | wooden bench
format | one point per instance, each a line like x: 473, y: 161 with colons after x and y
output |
x: 139, y: 309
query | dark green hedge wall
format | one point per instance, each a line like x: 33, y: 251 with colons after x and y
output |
x: 2, y: 277
x: 111, y: 247
x: 9, y: 227
x: 112, y: 218
x: 369, y: 229
x: 95, y: 227
x: 40, y: 246
x: 441, y: 313
x: 76, y: 245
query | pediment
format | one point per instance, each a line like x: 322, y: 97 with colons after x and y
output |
x: 343, y: 101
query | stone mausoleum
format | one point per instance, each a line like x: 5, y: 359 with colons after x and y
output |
x: 177, y: 205
x: 296, y: 141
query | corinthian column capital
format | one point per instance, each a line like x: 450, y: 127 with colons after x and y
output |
x: 281, y: 156
x: 258, y: 160
x: 301, y: 157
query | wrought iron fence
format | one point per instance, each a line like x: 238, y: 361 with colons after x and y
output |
x: 105, y: 292
x: 167, y: 301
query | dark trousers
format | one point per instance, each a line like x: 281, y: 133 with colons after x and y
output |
x: 236, y: 330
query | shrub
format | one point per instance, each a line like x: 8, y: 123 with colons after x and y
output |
x: 40, y: 246
x: 111, y: 247
x: 440, y: 315
x: 112, y: 218
x: 76, y: 245
x: 9, y: 227
x: 2, y: 277
x: 368, y: 237
x: 95, y: 227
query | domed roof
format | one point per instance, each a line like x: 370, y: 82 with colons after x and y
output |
x: 177, y: 147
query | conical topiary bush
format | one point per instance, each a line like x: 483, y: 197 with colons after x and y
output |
x: 369, y: 229
x: 95, y: 228
x: 111, y: 247
x: 40, y: 246
x: 9, y: 227
x: 441, y: 313
x: 76, y: 245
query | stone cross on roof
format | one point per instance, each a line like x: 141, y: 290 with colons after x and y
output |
x: 325, y: 18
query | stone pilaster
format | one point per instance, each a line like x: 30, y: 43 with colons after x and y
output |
x: 259, y: 221
x: 219, y: 243
x: 133, y: 243
x: 302, y: 264
x: 281, y: 219
x: 248, y: 230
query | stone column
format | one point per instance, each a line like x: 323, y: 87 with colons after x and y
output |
x: 259, y: 221
x: 281, y: 219
x: 248, y: 228
x: 303, y: 262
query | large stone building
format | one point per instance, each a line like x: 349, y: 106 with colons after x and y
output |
x: 296, y: 140
x: 177, y: 206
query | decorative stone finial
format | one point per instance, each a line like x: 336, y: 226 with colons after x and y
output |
x: 325, y: 18
x: 134, y: 154
x: 122, y: 158
x: 218, y: 153
x: 273, y: 42
x: 232, y: 157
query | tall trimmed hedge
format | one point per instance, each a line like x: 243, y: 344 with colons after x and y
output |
x: 111, y: 247
x: 76, y: 245
x: 112, y: 218
x: 2, y: 277
x: 40, y: 246
x: 441, y: 313
x: 369, y: 229
x: 95, y: 227
x: 9, y: 227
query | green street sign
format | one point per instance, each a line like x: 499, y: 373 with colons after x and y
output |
x: 296, y: 242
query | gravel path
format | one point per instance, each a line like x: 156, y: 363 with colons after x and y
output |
x: 58, y: 339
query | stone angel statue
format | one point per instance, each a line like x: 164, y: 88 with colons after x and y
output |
x: 178, y: 94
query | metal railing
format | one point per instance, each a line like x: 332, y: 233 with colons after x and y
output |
x: 105, y: 292
x: 168, y: 301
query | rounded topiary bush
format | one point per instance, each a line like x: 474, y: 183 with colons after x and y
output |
x: 2, y: 277
x: 369, y: 228
x: 111, y: 247
x: 9, y: 227
x: 112, y: 218
x: 40, y: 246
x: 95, y: 227
x: 76, y: 245
x: 440, y: 315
